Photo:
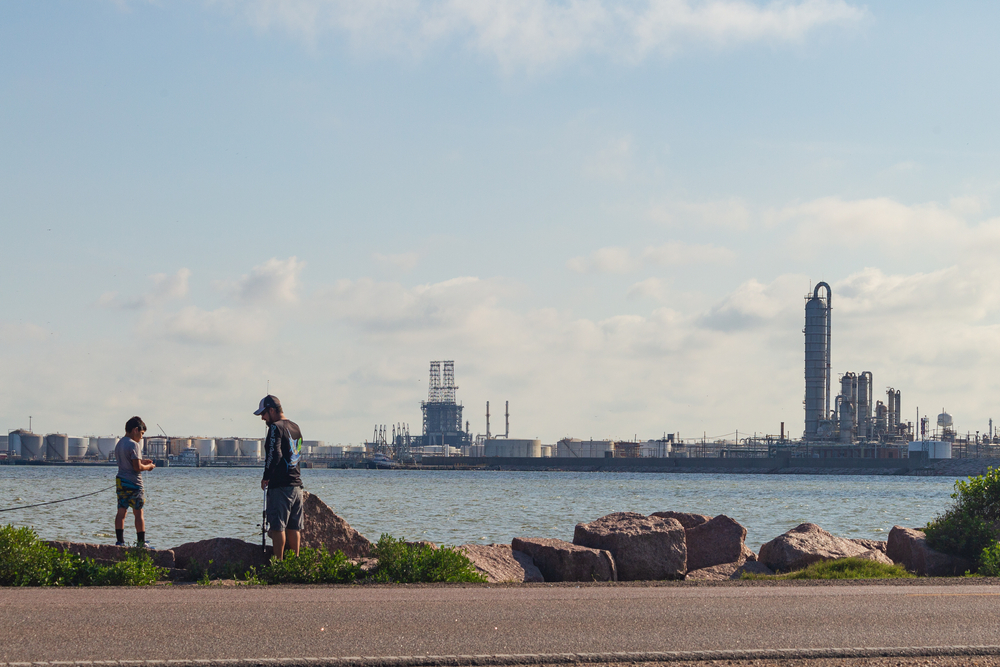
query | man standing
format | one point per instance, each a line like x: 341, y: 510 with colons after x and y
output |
x: 282, y: 481
x: 128, y: 482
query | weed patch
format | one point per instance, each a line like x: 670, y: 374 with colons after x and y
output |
x: 399, y: 562
x: 841, y: 568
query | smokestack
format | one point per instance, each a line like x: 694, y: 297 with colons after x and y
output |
x: 506, y: 426
x: 487, y: 420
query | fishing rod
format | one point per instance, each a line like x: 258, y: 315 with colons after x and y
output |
x: 53, y: 502
x: 263, y: 526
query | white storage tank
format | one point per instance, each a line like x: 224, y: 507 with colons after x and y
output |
x: 78, y: 447
x: 205, y: 447
x: 106, y: 446
x: 14, y: 442
x: 92, y: 447
x: 547, y: 451
x: 227, y: 447
x: 32, y: 446
x: 57, y: 447
x: 250, y: 447
x: 313, y: 444
x: 511, y: 448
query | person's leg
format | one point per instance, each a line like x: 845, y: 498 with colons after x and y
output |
x: 278, y: 542
x: 140, y: 520
x: 120, y: 518
x: 293, y: 539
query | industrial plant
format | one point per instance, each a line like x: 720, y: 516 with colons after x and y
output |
x: 853, y: 424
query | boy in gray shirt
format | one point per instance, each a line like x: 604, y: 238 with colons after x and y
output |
x: 128, y: 482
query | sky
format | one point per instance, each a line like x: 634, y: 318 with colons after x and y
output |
x: 606, y: 213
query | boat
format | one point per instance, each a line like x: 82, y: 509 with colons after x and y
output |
x: 380, y: 461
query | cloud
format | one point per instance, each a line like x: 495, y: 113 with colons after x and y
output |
x: 534, y: 33
x: 221, y: 326
x: 673, y: 253
x: 406, y: 261
x: 611, y: 163
x: 165, y: 288
x: 274, y: 282
x: 731, y: 214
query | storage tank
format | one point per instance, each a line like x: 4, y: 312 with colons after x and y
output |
x: 32, y: 446
x: 817, y: 332
x: 92, y: 447
x: 205, y: 447
x: 513, y: 448
x: 250, y: 447
x: 106, y: 446
x: 57, y: 447
x: 227, y: 447
x: 78, y: 447
x: 944, y: 420
x: 314, y: 444
x: 14, y: 442
x: 865, y: 405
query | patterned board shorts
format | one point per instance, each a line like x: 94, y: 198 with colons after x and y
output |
x: 129, y: 495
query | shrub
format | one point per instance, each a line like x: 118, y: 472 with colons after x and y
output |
x: 841, y: 568
x: 311, y: 566
x: 989, y: 560
x: 27, y: 561
x: 959, y: 534
x: 401, y: 562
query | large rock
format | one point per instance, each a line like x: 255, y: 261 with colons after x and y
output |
x: 879, y: 545
x: 805, y: 544
x: 717, y: 541
x: 687, y: 520
x: 876, y: 555
x: 908, y: 547
x: 558, y: 560
x: 221, y: 556
x: 644, y: 548
x: 109, y: 553
x: 728, y: 571
x: 501, y: 564
x: 323, y: 528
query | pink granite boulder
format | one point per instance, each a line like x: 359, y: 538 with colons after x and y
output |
x: 717, y: 541
x: 687, y: 520
x: 221, y: 556
x: 728, y: 571
x: 501, y: 564
x: 803, y: 545
x: 644, y: 548
x: 323, y: 528
x: 558, y: 560
x: 908, y: 547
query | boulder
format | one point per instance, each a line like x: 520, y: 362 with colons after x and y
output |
x: 323, y: 528
x: 876, y: 555
x: 644, y: 548
x: 687, y: 520
x: 727, y: 571
x: 879, y: 545
x: 500, y: 564
x: 221, y: 556
x: 908, y: 547
x: 717, y: 541
x: 558, y: 560
x: 803, y: 545
x: 109, y: 553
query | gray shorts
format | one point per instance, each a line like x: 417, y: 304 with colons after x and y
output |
x: 284, y: 508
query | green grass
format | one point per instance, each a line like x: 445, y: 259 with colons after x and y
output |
x: 399, y: 562
x: 27, y: 561
x: 842, y: 568
x: 311, y: 566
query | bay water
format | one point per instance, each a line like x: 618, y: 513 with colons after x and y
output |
x: 458, y: 507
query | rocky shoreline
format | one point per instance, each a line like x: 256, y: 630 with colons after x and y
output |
x: 619, y: 547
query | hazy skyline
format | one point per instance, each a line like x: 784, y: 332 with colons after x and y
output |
x: 606, y: 213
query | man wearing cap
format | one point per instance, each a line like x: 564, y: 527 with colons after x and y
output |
x: 282, y: 481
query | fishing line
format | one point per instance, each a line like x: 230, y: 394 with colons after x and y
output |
x: 52, y: 502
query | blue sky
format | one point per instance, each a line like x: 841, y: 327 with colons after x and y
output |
x: 606, y: 213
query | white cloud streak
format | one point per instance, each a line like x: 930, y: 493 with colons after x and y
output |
x: 673, y: 253
x: 540, y: 33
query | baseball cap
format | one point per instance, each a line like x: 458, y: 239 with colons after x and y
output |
x: 268, y: 402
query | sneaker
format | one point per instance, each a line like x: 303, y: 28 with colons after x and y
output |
x: 120, y: 544
x: 147, y: 545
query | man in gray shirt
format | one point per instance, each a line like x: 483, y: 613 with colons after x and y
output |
x: 128, y: 482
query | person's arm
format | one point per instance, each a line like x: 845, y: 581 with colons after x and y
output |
x: 142, y: 465
x: 269, y: 455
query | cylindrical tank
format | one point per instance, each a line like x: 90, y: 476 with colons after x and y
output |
x: 250, y: 447
x: 78, y: 447
x: 178, y: 445
x: 817, y: 332
x: 57, y: 447
x: 14, y: 443
x: 205, y: 447
x: 92, y: 449
x: 846, y: 407
x: 32, y: 446
x: 314, y: 444
x: 881, y: 419
x: 227, y: 447
x: 944, y: 420
x: 106, y: 446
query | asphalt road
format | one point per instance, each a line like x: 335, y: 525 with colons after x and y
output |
x: 211, y: 623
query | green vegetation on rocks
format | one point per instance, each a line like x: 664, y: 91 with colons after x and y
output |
x: 969, y: 527
x: 311, y: 566
x: 401, y: 562
x: 27, y: 561
x: 841, y: 568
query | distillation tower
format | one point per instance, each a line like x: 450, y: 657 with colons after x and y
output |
x: 817, y: 331
x: 442, y: 415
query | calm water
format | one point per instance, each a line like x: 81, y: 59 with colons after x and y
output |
x: 187, y: 504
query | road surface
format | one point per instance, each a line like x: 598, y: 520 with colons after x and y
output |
x: 252, y: 623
